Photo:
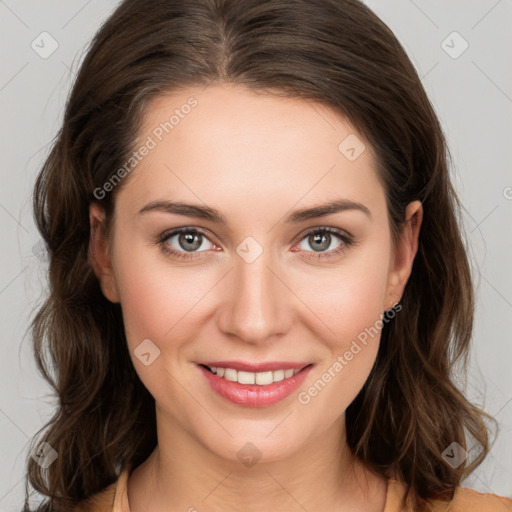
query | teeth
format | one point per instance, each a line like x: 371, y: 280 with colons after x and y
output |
x: 265, y: 378
x: 259, y: 378
x: 278, y: 375
x: 230, y: 374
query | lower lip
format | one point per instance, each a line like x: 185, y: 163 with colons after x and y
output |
x: 252, y: 395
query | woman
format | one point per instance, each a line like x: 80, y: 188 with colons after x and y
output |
x: 259, y: 288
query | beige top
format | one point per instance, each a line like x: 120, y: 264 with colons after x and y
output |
x: 114, y: 498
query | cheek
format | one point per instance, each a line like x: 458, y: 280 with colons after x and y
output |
x: 355, y: 325
x: 155, y: 298
x: 337, y: 301
x: 163, y: 304
x: 347, y: 306
x: 347, y: 299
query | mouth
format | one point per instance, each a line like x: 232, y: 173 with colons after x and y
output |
x: 267, y: 374
x: 266, y: 384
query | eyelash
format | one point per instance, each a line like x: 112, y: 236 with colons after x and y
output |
x: 347, y: 241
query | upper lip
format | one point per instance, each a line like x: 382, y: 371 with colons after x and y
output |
x: 257, y: 367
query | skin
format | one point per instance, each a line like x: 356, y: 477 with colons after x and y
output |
x: 255, y: 158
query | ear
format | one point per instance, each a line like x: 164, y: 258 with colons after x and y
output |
x: 403, y: 256
x: 99, y: 253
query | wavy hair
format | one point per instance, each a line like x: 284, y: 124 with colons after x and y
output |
x: 338, y: 53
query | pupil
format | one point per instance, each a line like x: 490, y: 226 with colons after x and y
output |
x: 319, y: 237
x: 188, y: 238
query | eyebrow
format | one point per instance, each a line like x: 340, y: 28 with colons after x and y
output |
x: 213, y: 215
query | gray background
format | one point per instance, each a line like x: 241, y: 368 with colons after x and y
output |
x: 472, y: 94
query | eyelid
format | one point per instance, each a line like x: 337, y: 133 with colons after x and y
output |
x: 346, y: 238
x: 171, y: 233
x: 344, y: 235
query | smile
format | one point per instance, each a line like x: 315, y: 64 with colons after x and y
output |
x: 254, y: 388
x: 259, y: 378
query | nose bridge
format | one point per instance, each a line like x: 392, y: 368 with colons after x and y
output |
x: 256, y: 309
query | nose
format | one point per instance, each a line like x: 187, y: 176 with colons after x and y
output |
x: 257, y: 305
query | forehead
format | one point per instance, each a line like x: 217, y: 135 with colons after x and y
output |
x: 227, y: 144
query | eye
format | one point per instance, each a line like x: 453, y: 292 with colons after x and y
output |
x: 183, y: 243
x: 323, y: 242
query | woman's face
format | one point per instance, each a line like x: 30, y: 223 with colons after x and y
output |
x: 265, y: 287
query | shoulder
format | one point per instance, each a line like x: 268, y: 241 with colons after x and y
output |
x: 112, y: 499
x: 470, y: 500
x: 464, y: 500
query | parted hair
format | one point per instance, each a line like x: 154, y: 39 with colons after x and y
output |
x: 338, y: 53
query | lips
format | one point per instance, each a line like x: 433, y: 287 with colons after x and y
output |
x: 254, y: 395
x: 257, y: 367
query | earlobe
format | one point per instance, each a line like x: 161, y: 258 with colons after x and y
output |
x: 99, y: 253
x: 404, y: 253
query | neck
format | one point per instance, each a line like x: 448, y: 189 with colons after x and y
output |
x: 182, y: 474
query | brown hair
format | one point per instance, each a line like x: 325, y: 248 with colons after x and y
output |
x: 336, y: 52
